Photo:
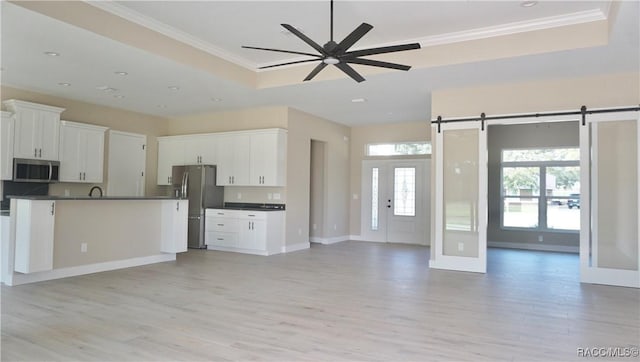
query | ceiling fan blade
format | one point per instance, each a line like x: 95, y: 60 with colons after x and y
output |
x: 381, y: 50
x: 304, y: 38
x: 315, y: 71
x: 350, y: 72
x: 287, y: 63
x: 377, y: 63
x: 283, y: 51
x: 355, y: 35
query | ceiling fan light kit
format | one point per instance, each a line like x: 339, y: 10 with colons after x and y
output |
x: 337, y: 54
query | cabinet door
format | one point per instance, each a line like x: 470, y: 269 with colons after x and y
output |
x: 174, y: 226
x: 170, y: 153
x: 49, y: 135
x: 267, y: 162
x: 71, y: 152
x: 6, y: 145
x: 192, y: 150
x: 93, y: 160
x: 26, y: 127
x: 241, y: 159
x: 259, y: 230
x: 209, y: 149
x: 246, y: 236
x: 35, y: 222
x: 226, y: 165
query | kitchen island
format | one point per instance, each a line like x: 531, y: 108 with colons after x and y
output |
x: 55, y: 237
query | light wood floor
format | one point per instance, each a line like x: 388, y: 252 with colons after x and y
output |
x: 347, y: 301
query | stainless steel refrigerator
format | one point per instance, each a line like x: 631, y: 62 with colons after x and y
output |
x: 197, y: 183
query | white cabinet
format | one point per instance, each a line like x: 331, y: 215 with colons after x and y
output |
x: 170, y: 153
x: 36, y: 130
x: 184, y: 150
x: 35, y: 220
x: 174, y: 226
x: 267, y: 163
x: 233, y: 159
x: 81, y: 152
x: 6, y: 145
x: 252, y: 232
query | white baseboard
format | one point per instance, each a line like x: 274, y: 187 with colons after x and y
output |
x: 356, y: 238
x: 239, y: 250
x: 88, y: 269
x: 532, y: 246
x: 295, y: 247
x: 328, y: 241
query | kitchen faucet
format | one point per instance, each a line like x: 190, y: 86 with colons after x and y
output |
x: 93, y: 188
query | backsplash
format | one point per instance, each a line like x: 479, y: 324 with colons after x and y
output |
x: 263, y: 195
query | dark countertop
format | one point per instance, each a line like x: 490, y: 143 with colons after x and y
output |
x: 4, y: 213
x: 248, y: 206
x: 81, y: 198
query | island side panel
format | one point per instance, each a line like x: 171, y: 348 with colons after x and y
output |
x: 112, y: 230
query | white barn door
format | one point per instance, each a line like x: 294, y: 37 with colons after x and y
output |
x: 460, y: 198
x: 610, y: 171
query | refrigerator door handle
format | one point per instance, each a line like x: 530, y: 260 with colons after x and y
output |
x: 185, y: 182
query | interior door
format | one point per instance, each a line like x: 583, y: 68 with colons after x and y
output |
x: 609, y: 163
x: 127, y: 155
x: 395, y: 201
x: 460, y: 198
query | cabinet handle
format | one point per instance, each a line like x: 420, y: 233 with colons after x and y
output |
x: 35, y: 152
x: 220, y: 224
x: 80, y: 175
x: 233, y: 180
x: 177, y: 205
x: 249, y: 225
x: 229, y: 180
x: 251, y: 215
x: 40, y: 153
x: 221, y: 213
x: 168, y: 179
x: 220, y: 238
x: 53, y: 208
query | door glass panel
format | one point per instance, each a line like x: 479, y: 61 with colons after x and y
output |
x: 617, y: 195
x: 404, y: 191
x: 460, y: 163
x: 374, y: 198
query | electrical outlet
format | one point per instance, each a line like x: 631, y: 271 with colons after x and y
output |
x: 83, y: 247
x: 315, y: 226
x: 239, y: 196
x: 269, y: 196
x: 460, y: 246
x: 299, y: 231
x: 355, y: 196
x: 540, y: 238
x: 66, y: 192
x: 335, y: 227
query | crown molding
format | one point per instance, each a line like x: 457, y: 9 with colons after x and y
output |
x: 171, y: 32
x: 428, y: 41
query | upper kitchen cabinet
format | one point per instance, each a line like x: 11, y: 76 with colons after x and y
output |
x: 184, y: 150
x: 6, y: 145
x: 37, y: 127
x: 268, y: 158
x: 81, y: 152
x: 233, y: 159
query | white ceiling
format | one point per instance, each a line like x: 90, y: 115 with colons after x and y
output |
x: 89, y: 60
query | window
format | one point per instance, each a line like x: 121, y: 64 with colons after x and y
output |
x: 374, y: 199
x: 399, y: 149
x: 404, y: 191
x: 541, y: 189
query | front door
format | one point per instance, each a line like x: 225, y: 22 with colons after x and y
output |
x: 395, y: 201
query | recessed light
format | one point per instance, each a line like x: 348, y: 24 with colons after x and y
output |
x: 119, y: 96
x: 216, y: 99
x: 358, y: 100
x: 162, y: 106
x: 528, y: 3
x: 121, y: 73
x: 65, y: 84
x: 106, y: 89
x: 174, y: 88
x: 52, y: 54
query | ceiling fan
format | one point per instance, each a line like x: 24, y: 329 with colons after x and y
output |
x: 337, y: 53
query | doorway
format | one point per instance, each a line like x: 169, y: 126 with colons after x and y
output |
x: 395, y: 201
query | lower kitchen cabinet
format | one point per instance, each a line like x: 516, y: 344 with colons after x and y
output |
x: 174, y: 226
x: 251, y: 232
x: 35, y: 220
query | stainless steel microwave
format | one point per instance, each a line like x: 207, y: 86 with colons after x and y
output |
x: 27, y: 170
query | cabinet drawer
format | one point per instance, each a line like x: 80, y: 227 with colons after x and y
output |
x: 253, y: 215
x: 221, y: 213
x: 221, y: 239
x: 221, y: 224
